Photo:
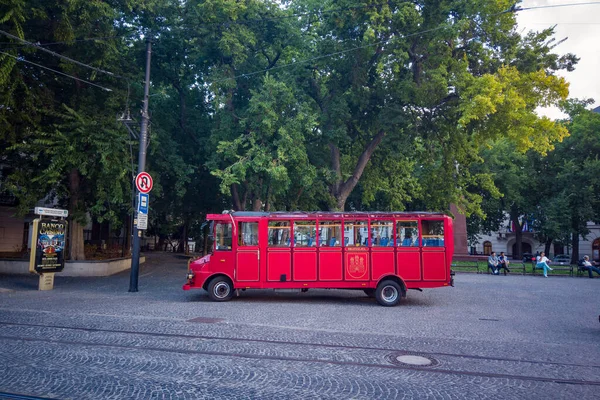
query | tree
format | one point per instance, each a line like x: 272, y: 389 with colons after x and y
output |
x: 60, y: 133
x: 574, y: 166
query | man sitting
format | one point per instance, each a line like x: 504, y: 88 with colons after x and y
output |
x: 503, y: 263
x: 493, y: 263
x: 589, y: 266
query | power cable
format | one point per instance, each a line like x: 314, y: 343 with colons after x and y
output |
x: 101, y: 38
x: 556, y: 5
x: 21, y: 59
x: 55, y: 54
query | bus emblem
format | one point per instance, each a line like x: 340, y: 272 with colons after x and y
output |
x: 357, y: 266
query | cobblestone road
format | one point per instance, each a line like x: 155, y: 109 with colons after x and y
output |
x: 490, y: 337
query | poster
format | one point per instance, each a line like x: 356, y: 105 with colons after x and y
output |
x: 50, y: 236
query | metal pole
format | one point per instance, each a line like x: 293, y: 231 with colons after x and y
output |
x: 135, y: 256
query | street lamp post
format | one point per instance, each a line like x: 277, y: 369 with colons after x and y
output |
x: 135, y: 256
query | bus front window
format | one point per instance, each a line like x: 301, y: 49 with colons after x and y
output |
x: 223, y: 236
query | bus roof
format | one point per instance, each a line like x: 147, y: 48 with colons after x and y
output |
x: 327, y: 214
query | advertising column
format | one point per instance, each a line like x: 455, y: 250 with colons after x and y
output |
x: 48, y: 245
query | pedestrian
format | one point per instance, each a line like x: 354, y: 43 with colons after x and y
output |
x: 542, y: 262
x: 503, y: 262
x: 589, y: 266
x: 493, y: 263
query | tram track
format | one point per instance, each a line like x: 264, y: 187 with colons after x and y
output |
x: 298, y: 343
x: 16, y: 396
x: 458, y: 372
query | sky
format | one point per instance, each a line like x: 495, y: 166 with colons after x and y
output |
x: 581, y: 25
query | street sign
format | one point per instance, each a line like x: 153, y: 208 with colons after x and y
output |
x: 143, y: 202
x: 53, y: 212
x: 142, y: 221
x: 143, y: 182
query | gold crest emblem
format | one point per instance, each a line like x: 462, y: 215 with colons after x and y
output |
x: 357, y: 266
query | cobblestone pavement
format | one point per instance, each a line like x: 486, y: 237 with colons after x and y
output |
x: 490, y: 337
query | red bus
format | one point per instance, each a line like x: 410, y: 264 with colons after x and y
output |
x: 384, y: 254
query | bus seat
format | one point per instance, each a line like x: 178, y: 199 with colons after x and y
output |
x: 332, y: 242
x: 310, y: 241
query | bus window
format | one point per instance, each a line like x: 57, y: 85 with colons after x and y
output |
x: 330, y: 233
x: 356, y: 233
x: 305, y: 234
x: 223, y: 236
x: 247, y: 234
x: 407, y: 233
x: 382, y: 233
x: 433, y: 233
x: 279, y: 234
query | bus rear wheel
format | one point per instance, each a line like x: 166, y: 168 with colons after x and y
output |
x: 220, y: 288
x: 388, y: 293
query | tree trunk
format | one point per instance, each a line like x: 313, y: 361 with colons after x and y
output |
x: 76, y: 248
x: 127, y: 233
x: 575, y: 247
x: 514, y: 217
x: 237, y: 204
x: 341, y: 190
x: 547, y: 246
x: 185, y: 238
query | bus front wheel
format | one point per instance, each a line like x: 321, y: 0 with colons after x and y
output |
x: 388, y: 293
x: 220, y: 288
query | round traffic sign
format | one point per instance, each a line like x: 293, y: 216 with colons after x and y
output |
x: 143, y: 182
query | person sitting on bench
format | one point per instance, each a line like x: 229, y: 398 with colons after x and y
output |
x: 503, y: 262
x: 493, y: 263
x: 589, y: 266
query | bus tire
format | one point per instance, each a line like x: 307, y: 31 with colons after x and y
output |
x: 388, y: 293
x: 220, y: 288
x: 370, y: 293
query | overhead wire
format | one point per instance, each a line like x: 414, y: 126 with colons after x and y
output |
x: 55, y: 54
x: 21, y: 59
x: 557, y: 5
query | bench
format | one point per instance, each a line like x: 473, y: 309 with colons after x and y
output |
x: 512, y: 266
x: 554, y: 267
x: 466, y: 264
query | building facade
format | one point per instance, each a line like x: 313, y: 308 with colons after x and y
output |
x: 505, y: 240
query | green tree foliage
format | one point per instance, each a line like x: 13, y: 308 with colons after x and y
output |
x: 572, y: 187
x: 269, y: 105
x: 60, y: 134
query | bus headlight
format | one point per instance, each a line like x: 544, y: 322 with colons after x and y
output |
x: 190, y: 276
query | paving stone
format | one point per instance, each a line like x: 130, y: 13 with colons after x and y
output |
x: 513, y: 337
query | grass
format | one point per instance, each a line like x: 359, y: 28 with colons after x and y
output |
x: 463, y: 266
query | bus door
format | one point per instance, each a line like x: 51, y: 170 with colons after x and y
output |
x: 382, y: 249
x: 279, y: 254
x: 248, y: 252
x: 408, y: 253
x: 304, y: 251
x: 356, y: 250
x: 434, y: 250
x: 223, y: 253
x: 330, y: 250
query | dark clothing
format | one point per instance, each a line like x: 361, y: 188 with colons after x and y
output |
x: 591, y: 268
x: 502, y: 263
